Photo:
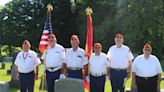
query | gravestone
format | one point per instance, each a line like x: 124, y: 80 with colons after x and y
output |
x: 14, y: 54
x: 4, y: 87
x: 3, y: 65
x: 14, y: 81
x: 69, y: 85
x: 9, y: 71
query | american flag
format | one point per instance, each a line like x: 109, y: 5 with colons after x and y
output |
x: 47, y: 30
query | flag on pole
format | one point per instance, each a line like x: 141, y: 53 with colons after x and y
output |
x: 47, y: 30
x: 89, y: 41
x: 44, y: 39
x: 89, y: 37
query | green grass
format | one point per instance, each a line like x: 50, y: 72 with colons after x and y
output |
x: 5, y: 78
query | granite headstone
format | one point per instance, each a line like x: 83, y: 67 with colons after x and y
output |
x: 69, y: 85
x: 4, y: 87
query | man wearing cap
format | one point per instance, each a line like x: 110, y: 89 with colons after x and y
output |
x: 98, y: 69
x: 55, y: 55
x: 27, y: 67
x: 120, y: 57
x: 75, y: 60
x: 146, y: 71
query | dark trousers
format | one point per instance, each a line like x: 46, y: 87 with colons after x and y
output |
x: 117, y: 79
x: 146, y: 84
x: 26, y: 81
x: 50, y: 79
x: 75, y: 74
x: 97, y: 83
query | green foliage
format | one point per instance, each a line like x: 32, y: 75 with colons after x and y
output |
x: 4, y: 50
x: 146, y: 25
x: 139, y: 21
x: 65, y: 20
x: 24, y: 19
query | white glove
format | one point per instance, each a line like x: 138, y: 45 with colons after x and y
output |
x: 44, y: 68
x: 62, y: 76
x: 87, y: 78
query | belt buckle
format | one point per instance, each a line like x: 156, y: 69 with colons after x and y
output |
x: 76, y: 68
x: 97, y: 74
x: 50, y: 70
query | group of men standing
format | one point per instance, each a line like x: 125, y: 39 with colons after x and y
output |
x: 73, y: 63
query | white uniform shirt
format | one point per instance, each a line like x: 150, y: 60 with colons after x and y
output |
x: 27, y: 61
x: 76, y: 58
x: 98, y: 64
x: 119, y: 57
x: 146, y: 67
x: 54, y: 56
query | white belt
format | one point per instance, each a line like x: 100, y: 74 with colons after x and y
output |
x: 53, y: 69
x: 97, y: 74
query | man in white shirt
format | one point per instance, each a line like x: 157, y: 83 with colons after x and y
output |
x: 146, y: 71
x: 27, y: 66
x: 75, y: 60
x: 120, y: 57
x: 98, y: 69
x: 55, y: 55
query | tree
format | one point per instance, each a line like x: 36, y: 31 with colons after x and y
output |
x: 24, y: 19
x: 146, y: 25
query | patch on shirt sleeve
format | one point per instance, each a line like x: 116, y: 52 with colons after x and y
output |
x: 79, y: 56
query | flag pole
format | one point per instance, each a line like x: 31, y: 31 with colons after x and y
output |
x: 89, y: 41
x: 89, y: 38
x: 49, y: 9
x: 44, y: 65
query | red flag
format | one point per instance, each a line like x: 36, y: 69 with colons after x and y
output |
x: 89, y: 41
x: 86, y: 85
x: 47, y: 30
x: 89, y: 37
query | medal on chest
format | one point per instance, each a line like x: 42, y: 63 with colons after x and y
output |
x: 25, y: 55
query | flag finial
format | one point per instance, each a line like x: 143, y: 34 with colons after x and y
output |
x: 50, y: 7
x: 89, y: 11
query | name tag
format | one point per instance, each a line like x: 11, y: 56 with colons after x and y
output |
x: 29, y: 56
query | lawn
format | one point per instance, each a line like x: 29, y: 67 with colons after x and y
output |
x: 4, y: 78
